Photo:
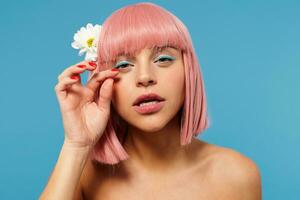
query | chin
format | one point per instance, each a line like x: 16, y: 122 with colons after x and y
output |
x: 149, y: 123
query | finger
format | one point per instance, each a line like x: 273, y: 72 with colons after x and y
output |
x: 98, y: 78
x: 78, y: 69
x: 64, y: 84
x: 93, y: 64
x: 105, y: 95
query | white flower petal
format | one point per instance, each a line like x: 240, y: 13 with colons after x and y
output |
x: 89, y: 26
x: 91, y: 56
x: 75, y: 37
x: 77, y: 45
x: 82, y: 51
x: 82, y: 29
x: 88, y: 57
x: 81, y: 37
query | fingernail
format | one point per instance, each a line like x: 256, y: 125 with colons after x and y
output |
x: 93, y: 64
x: 74, y: 77
x: 115, y: 70
x: 81, y: 66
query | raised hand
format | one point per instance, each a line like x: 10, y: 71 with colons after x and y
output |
x: 84, y: 120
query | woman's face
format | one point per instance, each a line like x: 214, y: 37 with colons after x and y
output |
x: 157, y: 70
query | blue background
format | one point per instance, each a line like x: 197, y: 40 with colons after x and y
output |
x: 250, y: 56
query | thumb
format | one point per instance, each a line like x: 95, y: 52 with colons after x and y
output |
x: 105, y: 95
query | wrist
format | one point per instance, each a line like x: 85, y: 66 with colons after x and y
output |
x: 76, y: 147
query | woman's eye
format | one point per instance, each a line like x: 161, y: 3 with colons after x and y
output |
x: 165, y: 58
x: 122, y: 65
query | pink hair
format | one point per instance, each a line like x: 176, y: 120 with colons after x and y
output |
x: 129, y: 30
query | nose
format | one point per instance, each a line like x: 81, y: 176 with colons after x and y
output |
x: 145, y: 75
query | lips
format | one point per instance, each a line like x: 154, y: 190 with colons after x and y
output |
x: 147, y: 97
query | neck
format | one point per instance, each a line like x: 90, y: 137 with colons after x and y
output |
x: 156, y: 151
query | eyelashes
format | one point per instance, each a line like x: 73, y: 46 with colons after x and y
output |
x: 161, y: 59
x: 165, y: 57
x: 122, y: 63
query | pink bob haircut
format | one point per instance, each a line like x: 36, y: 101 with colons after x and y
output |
x: 129, y: 30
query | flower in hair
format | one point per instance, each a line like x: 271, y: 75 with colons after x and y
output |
x: 86, y: 39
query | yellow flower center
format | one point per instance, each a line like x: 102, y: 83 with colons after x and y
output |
x: 90, y: 42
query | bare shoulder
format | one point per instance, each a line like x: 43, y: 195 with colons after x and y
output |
x: 234, y: 172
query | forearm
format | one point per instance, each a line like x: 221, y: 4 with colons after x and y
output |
x: 66, y: 174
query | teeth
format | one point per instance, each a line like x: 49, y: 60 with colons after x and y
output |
x: 149, y: 103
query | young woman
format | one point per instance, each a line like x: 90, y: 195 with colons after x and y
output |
x: 130, y: 132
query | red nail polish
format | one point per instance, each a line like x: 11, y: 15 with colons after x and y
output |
x: 74, y: 77
x: 93, y: 64
x: 114, y: 69
x: 81, y: 66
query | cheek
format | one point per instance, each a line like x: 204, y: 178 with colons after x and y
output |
x: 116, y: 93
x: 175, y: 82
x: 121, y: 94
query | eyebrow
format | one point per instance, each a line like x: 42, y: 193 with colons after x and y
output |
x: 155, y: 50
x: 160, y: 49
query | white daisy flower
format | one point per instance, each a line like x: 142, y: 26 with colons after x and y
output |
x: 86, y: 39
